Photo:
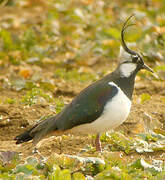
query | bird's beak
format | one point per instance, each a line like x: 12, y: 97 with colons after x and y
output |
x: 147, y: 68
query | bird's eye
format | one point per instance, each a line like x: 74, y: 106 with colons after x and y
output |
x: 135, y: 59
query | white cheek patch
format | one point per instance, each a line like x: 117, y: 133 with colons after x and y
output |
x: 127, y: 69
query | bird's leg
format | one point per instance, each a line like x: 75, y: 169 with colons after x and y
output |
x: 98, y: 143
x: 60, y: 142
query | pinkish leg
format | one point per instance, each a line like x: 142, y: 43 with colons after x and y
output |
x: 98, y: 143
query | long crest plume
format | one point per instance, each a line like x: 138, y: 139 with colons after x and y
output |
x: 125, y: 26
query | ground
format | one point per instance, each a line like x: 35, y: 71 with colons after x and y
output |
x: 50, y: 51
x: 17, y: 118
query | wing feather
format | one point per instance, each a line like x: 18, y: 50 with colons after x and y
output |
x: 86, y: 107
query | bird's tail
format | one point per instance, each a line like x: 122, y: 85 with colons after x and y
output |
x: 38, y: 131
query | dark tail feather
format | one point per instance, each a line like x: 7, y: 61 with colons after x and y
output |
x: 24, y: 137
x: 38, y: 131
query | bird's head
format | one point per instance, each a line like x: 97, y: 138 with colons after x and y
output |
x: 131, y: 61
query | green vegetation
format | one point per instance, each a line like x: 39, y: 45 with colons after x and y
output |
x: 35, y: 95
x: 73, y: 75
x: 111, y: 165
x: 48, y: 49
x: 145, y: 97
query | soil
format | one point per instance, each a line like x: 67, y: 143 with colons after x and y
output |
x: 17, y: 118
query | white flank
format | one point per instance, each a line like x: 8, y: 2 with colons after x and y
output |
x: 127, y: 69
x: 115, y: 113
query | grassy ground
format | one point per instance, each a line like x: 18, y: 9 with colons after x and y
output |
x: 51, y: 50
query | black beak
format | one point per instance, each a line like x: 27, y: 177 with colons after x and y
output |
x: 147, y: 68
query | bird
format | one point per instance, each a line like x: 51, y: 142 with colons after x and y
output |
x: 100, y: 107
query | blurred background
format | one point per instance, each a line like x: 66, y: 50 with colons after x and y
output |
x: 74, y: 38
x: 50, y: 50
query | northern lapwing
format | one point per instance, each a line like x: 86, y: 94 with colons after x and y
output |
x: 100, y: 107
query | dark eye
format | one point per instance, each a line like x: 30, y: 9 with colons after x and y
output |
x: 135, y: 59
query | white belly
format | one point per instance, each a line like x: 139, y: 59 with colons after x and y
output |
x: 115, y: 113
